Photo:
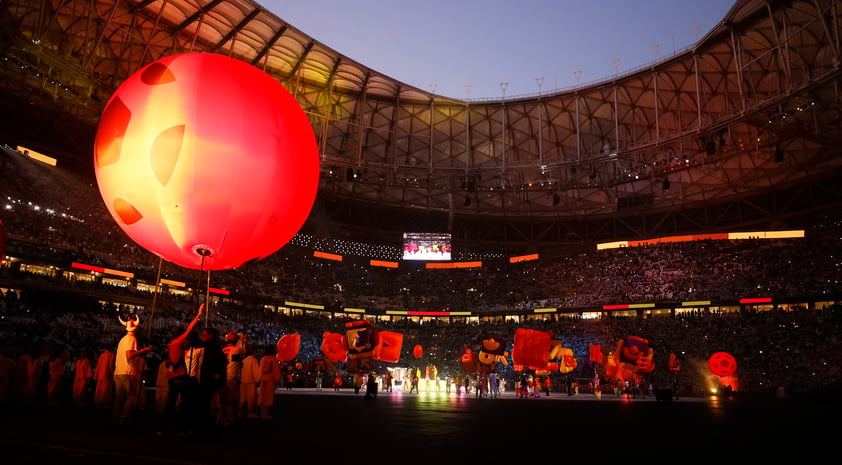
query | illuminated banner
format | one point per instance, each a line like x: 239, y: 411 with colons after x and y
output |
x: 327, y: 256
x: 37, y: 156
x: 100, y: 269
x: 523, y: 258
x: 700, y: 237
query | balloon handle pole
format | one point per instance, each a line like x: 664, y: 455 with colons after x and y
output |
x: 207, y: 300
x: 204, y: 252
x: 198, y: 290
x: 155, y: 297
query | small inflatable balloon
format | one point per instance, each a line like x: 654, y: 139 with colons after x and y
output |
x: 288, y: 347
x: 206, y: 161
x: 418, y: 351
x: 722, y: 364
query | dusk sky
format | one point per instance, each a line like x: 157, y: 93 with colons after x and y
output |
x: 466, y: 48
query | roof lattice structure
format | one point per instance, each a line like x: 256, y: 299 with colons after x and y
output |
x: 739, y: 132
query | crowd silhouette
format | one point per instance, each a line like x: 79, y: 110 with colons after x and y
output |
x: 49, y: 322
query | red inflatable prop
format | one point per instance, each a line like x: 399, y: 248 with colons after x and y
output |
x: 722, y: 364
x: 492, y: 348
x: 612, y: 367
x: 468, y: 361
x: 206, y: 161
x: 388, y: 348
x: 634, y: 357
x: 674, y: 364
x: 417, y: 351
x: 596, y: 354
x: 360, y: 337
x: 531, y: 348
x: 288, y: 347
x: 484, y: 358
x: 335, y: 347
x: 493, y: 343
x: 568, y: 361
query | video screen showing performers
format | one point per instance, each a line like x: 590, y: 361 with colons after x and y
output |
x: 426, y: 246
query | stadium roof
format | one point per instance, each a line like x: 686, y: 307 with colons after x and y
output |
x: 740, y: 131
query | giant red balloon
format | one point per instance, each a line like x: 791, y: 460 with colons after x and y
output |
x: 206, y: 161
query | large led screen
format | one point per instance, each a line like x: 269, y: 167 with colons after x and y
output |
x: 426, y: 246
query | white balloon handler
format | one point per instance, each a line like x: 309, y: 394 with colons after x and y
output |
x: 128, y: 366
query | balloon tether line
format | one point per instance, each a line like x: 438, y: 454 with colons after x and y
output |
x: 155, y: 298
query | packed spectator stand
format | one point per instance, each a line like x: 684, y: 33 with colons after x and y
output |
x: 53, y: 218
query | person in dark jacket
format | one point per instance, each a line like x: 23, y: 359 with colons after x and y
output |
x: 371, y: 387
x: 211, y: 378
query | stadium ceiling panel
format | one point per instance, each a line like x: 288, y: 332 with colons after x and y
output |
x: 741, y: 130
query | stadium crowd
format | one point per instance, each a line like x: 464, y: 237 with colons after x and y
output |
x: 52, y: 216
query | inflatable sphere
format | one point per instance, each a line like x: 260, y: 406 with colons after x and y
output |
x: 287, y: 347
x: 206, y: 161
x: 722, y: 364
